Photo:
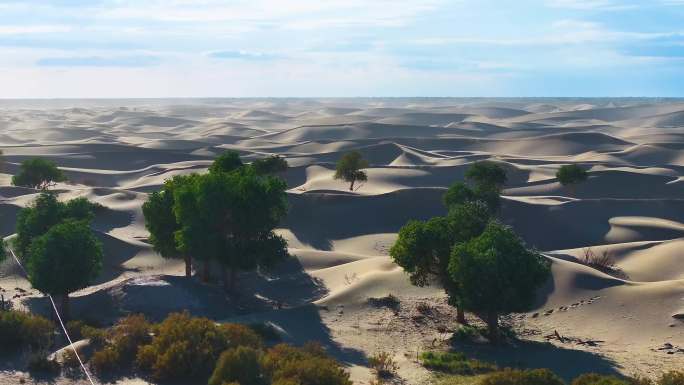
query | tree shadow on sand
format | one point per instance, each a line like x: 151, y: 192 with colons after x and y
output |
x: 567, y: 363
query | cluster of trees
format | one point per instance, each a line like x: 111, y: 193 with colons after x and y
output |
x: 38, y: 173
x: 483, y: 266
x: 226, y: 215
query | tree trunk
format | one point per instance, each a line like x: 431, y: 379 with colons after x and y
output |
x: 65, y: 311
x: 188, y: 266
x: 351, y: 187
x: 205, y: 271
x: 493, y: 326
x: 460, y: 315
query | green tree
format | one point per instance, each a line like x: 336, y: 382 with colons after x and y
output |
x: 423, y: 249
x: 226, y: 162
x: 67, y: 258
x: 571, y: 174
x: 496, y: 274
x: 230, y: 217
x: 45, y: 212
x: 38, y: 173
x: 349, y: 168
x: 486, y: 174
x: 269, y: 166
x: 160, y: 221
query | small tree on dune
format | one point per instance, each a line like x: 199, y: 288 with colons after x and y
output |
x: 269, y: 166
x: 46, y: 211
x: 226, y: 162
x: 160, y: 221
x: 496, y: 274
x: 38, y: 173
x: 423, y: 249
x: 349, y: 168
x: 67, y: 258
x: 571, y: 174
x: 486, y: 174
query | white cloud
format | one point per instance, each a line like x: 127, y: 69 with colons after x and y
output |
x: 604, y: 5
x: 33, y: 29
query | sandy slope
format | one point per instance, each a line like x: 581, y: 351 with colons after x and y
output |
x: 632, y: 207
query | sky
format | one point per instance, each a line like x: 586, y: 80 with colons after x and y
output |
x: 346, y: 48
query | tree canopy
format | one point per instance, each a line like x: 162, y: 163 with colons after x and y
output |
x: 423, y: 248
x: 230, y: 217
x: 68, y: 257
x: 38, y: 173
x: 45, y: 212
x: 496, y: 274
x: 160, y: 221
x: 271, y: 165
x: 349, y: 168
x: 486, y: 174
x: 570, y: 174
x: 226, y: 162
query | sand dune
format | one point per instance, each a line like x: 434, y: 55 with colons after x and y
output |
x: 632, y: 207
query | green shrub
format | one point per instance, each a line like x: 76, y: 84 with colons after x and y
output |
x: 75, y: 329
x: 598, y: 379
x: 523, y: 377
x: 97, y: 337
x: 24, y: 330
x: 308, y: 365
x: 239, y: 365
x: 188, y: 347
x: 466, y: 333
x: 128, y: 335
x: 105, y: 361
x: 454, y: 363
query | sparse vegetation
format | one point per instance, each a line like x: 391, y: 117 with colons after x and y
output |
x: 349, y: 168
x: 389, y: 301
x: 38, y: 173
x: 523, y: 377
x: 271, y: 165
x: 603, y: 261
x: 454, y: 363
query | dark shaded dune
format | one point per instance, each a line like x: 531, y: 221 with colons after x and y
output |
x: 357, y: 131
x: 317, y: 219
x: 116, y: 253
x: 8, y: 219
x: 425, y: 119
x: 131, y: 158
x: 585, y: 223
x: 602, y: 184
x: 650, y: 155
x: 495, y: 112
x: 376, y: 154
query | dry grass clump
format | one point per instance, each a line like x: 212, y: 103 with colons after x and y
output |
x: 21, y: 330
x: 383, y: 364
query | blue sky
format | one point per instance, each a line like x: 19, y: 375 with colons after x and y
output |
x: 246, y: 48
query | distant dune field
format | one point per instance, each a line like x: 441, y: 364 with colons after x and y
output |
x: 632, y: 206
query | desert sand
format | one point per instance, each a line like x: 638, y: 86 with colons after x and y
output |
x: 116, y: 151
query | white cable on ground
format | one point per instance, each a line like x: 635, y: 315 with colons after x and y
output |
x: 59, y: 318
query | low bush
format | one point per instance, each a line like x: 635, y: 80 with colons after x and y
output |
x: 19, y: 330
x: 97, y: 337
x: 390, y: 301
x: 454, y: 363
x: 383, y: 364
x: 239, y: 365
x: 105, y: 361
x: 309, y: 365
x: 523, y: 377
x: 38, y: 362
x: 188, y: 347
x: 466, y: 333
x: 598, y: 379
